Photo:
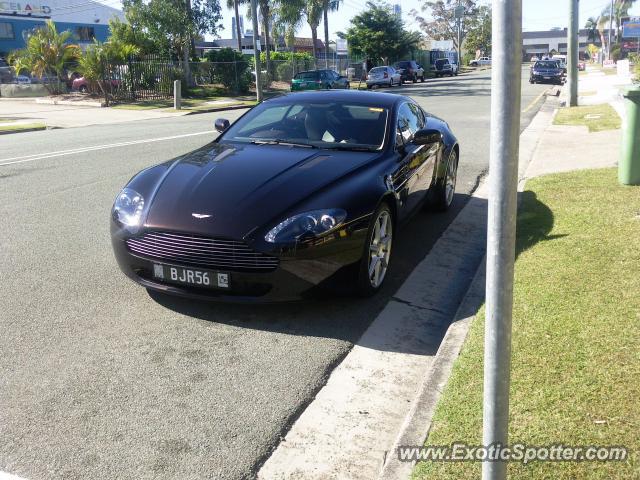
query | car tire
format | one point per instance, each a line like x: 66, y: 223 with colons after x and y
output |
x: 422, y: 79
x: 83, y: 89
x: 415, y: 79
x: 372, y: 272
x: 441, y: 194
x: 348, y: 86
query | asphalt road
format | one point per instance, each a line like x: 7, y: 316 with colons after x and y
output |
x: 100, y: 379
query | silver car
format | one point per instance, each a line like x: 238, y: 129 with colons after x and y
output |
x: 383, y: 76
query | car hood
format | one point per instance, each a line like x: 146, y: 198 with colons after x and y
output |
x: 236, y: 188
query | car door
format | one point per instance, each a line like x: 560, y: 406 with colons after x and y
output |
x: 408, y: 179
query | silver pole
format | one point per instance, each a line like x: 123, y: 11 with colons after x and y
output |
x: 610, y: 28
x: 501, y: 229
x: 256, y: 53
x: 572, y: 59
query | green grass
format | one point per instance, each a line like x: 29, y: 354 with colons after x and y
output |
x: 603, y: 117
x: 193, y: 104
x: 22, y: 126
x: 576, y: 334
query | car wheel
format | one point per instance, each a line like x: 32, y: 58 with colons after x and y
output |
x: 368, y: 87
x: 83, y: 89
x: 443, y: 191
x: 348, y: 86
x: 415, y: 79
x: 422, y: 79
x: 377, y: 252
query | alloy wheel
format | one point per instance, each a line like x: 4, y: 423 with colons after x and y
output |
x: 380, y: 248
x: 451, y: 177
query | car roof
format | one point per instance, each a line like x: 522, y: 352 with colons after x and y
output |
x: 386, y: 100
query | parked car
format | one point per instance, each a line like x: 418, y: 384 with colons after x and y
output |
x: 480, y: 62
x: 534, y: 59
x: 83, y: 85
x: 299, y: 188
x: 6, y: 72
x: 409, y: 70
x: 318, y: 80
x: 443, y: 67
x: 383, y: 76
x: 546, y: 71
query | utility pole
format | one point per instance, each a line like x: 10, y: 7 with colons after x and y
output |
x: 501, y: 227
x: 610, y: 29
x: 459, y: 13
x: 572, y: 59
x: 256, y: 53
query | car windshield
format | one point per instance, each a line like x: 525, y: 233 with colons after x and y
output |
x: 378, y: 70
x: 403, y: 65
x: 546, y: 64
x: 322, y: 124
x: 306, y: 76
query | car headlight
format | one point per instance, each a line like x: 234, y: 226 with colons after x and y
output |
x: 128, y: 207
x: 309, y: 223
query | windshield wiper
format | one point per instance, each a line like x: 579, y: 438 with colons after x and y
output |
x: 277, y: 141
x: 353, y: 148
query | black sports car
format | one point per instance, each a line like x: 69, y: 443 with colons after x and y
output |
x: 299, y: 187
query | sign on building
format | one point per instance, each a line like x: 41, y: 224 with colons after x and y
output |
x: 631, y: 27
x: 342, y: 47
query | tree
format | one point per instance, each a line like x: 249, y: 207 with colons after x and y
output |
x: 479, y: 31
x: 235, y: 4
x: 172, y: 24
x: 379, y: 35
x: 47, y: 53
x: 123, y: 33
x: 328, y: 6
x: 441, y: 24
x: 313, y: 13
x: 592, y: 29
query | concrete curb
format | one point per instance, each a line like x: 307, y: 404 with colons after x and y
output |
x: 417, y: 424
x: 413, y: 431
x: 217, y: 109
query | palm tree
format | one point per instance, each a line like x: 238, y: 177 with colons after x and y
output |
x: 47, y: 52
x: 327, y: 6
x: 313, y: 12
x: 592, y: 29
x: 235, y: 4
x: 265, y: 15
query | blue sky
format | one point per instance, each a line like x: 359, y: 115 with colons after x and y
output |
x: 537, y: 14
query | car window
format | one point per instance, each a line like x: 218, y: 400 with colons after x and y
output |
x: 408, y: 123
x: 378, y: 70
x: 306, y: 76
x: 322, y: 124
x: 419, y: 115
x: 546, y: 64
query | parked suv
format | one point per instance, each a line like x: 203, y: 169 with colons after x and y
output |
x: 318, y: 80
x: 443, y: 67
x: 409, y: 70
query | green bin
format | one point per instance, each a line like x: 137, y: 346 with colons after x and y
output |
x: 629, y: 165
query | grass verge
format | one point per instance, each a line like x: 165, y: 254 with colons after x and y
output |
x: 18, y: 127
x: 575, y: 375
x: 596, y: 117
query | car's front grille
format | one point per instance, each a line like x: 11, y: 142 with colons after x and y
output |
x: 201, y: 251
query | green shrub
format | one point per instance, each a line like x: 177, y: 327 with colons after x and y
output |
x: 616, y: 53
x: 230, y: 69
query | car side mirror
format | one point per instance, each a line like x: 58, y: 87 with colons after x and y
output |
x: 222, y: 124
x: 427, y: 136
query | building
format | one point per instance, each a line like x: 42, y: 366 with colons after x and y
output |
x: 87, y: 20
x: 233, y: 27
x: 543, y: 42
x: 397, y: 10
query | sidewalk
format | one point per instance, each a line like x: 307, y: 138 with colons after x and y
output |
x: 66, y: 116
x: 560, y: 148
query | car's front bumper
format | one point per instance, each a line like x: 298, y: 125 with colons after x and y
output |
x: 555, y: 79
x: 385, y: 81
x: 299, y: 270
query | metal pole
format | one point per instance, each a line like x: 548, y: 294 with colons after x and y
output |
x: 610, y: 28
x: 501, y: 228
x: 572, y: 58
x: 256, y: 53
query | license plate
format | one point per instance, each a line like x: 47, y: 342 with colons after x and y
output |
x: 193, y: 277
x: 547, y: 78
